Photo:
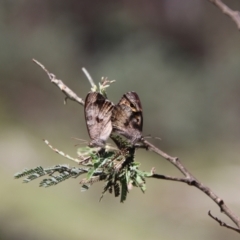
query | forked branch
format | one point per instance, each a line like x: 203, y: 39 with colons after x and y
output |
x: 223, y: 224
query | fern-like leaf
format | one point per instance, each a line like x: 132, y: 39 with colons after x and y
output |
x: 38, y: 170
x: 124, y: 190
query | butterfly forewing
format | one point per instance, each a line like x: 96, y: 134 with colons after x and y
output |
x: 98, y: 112
x: 127, y: 118
x: 132, y: 100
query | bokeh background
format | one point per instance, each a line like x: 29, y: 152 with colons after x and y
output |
x: 181, y: 57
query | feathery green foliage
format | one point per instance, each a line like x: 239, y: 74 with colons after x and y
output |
x: 115, y: 167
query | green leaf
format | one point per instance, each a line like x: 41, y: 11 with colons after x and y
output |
x: 124, y: 191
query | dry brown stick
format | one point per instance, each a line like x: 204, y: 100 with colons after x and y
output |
x: 165, y: 177
x: 189, y: 178
x: 234, y: 15
x: 66, y: 90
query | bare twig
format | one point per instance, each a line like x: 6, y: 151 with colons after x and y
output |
x: 174, y: 160
x: 188, y: 177
x: 223, y: 224
x: 66, y: 90
x: 93, y: 85
x: 234, y: 15
x: 164, y: 177
x: 61, y: 153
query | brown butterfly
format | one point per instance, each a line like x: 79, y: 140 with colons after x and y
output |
x: 127, y: 118
x: 98, y: 112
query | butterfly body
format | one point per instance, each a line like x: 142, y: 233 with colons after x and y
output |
x: 127, y: 118
x: 98, y: 112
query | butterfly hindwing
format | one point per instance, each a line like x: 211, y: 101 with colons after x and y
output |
x: 127, y: 118
x: 98, y: 112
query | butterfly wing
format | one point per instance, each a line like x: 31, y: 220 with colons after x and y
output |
x: 127, y: 118
x: 98, y: 112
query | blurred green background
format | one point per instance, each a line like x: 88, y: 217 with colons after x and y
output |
x: 181, y: 57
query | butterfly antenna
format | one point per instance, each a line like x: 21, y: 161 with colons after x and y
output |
x: 80, y: 144
x: 93, y: 85
x: 149, y: 136
x: 83, y: 141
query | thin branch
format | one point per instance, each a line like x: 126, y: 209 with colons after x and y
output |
x: 165, y: 177
x: 188, y: 179
x: 66, y: 90
x: 234, y: 15
x: 174, y: 160
x: 62, y: 153
x: 223, y: 224
x: 89, y: 77
x: 191, y: 180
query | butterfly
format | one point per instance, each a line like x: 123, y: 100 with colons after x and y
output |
x: 98, y: 112
x: 127, y: 118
